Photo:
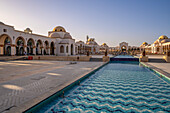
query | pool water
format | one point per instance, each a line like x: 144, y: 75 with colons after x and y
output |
x: 123, y: 56
x: 117, y: 87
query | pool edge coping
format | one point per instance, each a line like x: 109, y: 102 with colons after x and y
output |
x: 155, y: 70
x: 35, y: 101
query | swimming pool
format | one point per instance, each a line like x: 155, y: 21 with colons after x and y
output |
x: 123, y: 56
x: 117, y: 87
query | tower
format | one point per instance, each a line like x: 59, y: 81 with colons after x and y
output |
x: 87, y: 37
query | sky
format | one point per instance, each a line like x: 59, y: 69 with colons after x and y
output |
x: 108, y: 21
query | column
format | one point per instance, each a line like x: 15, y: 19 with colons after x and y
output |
x: 1, y: 50
x: 48, y: 50
x: 55, y: 52
x: 25, y: 49
x: 34, y: 50
x: 42, y: 48
x: 13, y: 50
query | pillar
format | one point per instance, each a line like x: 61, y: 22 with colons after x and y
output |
x: 13, y: 50
x: 25, y: 49
x: 41, y: 48
x: 48, y: 50
x: 34, y: 50
x: 1, y: 50
x: 55, y: 51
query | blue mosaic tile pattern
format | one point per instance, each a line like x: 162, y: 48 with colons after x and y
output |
x: 117, y: 88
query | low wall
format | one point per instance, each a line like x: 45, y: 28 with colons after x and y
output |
x: 63, y: 58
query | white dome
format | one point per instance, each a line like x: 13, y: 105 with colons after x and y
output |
x: 55, y: 35
x: 67, y: 36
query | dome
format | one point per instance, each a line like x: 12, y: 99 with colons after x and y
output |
x: 104, y: 44
x: 28, y: 30
x: 163, y: 37
x: 90, y: 39
x: 1, y: 23
x: 67, y: 36
x: 156, y: 42
x: 81, y: 41
x: 164, y: 41
x: 59, y: 29
x: 145, y: 43
x: 55, y: 35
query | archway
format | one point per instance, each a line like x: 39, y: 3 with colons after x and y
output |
x: 30, y: 45
x: 20, y: 42
x: 52, y: 48
x: 71, y: 49
x: 39, y: 47
x: 123, y: 49
x: 123, y: 46
x: 5, y: 44
x: 46, y: 46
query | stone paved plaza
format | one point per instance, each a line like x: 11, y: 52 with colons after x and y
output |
x: 24, y: 83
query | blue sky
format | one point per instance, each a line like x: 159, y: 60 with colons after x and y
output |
x: 109, y: 21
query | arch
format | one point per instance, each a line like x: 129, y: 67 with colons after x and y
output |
x: 46, y: 47
x: 30, y: 46
x: 52, y: 48
x: 71, y: 49
x: 61, y: 49
x: 20, y: 38
x: 5, y: 44
x: 20, y: 42
x: 3, y: 37
x: 124, y: 48
x: 39, y: 46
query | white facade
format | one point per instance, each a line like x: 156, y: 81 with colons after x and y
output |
x: 160, y: 46
x: 90, y: 46
x: 14, y: 42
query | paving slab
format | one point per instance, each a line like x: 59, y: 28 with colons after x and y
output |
x: 25, y: 83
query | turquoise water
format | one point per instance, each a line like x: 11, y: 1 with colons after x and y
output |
x: 117, y: 87
x: 123, y: 56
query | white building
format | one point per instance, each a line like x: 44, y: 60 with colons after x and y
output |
x: 90, y: 46
x: 14, y: 42
x: 160, y: 46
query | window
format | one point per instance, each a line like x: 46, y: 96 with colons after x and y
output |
x: 62, y: 49
x: 5, y: 30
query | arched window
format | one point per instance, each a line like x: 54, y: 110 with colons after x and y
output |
x: 67, y: 49
x: 61, y: 49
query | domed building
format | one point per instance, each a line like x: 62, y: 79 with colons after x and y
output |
x: 15, y: 42
x: 65, y: 42
x: 104, y: 47
x: 90, y: 46
x: 163, y: 37
x: 160, y: 46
